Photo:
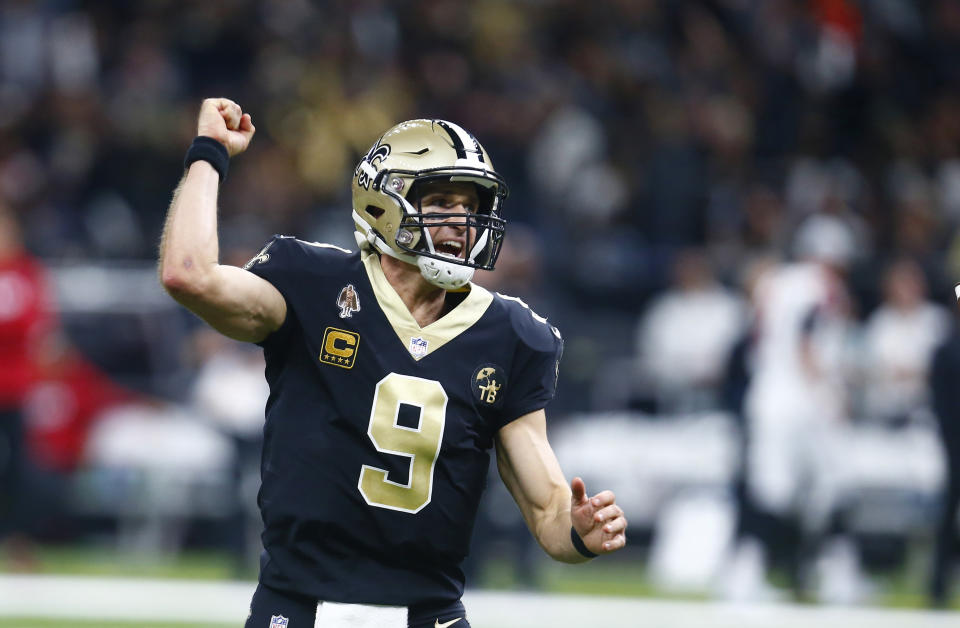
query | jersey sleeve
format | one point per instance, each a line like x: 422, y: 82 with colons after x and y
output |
x: 536, y: 365
x: 280, y: 262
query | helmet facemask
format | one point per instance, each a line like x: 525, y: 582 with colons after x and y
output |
x: 471, y: 238
x: 481, y: 225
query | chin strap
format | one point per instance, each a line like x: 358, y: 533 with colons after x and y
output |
x: 444, y: 274
x: 439, y: 273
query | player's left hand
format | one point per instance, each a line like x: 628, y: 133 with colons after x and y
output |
x: 598, y: 520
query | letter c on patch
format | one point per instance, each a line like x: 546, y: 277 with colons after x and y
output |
x: 340, y: 343
x: 339, y: 347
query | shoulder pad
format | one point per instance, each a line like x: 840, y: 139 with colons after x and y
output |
x: 534, y: 330
x: 324, y: 245
x: 288, y: 251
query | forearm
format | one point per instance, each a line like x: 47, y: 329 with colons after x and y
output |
x: 544, y: 502
x: 552, y: 531
x: 551, y: 508
x: 189, y: 249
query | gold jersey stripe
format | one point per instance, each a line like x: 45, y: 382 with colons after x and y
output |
x: 437, y: 333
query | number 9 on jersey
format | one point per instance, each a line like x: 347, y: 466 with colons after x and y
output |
x: 420, y: 444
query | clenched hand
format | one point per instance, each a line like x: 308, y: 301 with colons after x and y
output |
x: 223, y: 120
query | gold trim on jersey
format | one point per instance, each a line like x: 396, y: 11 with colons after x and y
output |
x: 437, y: 333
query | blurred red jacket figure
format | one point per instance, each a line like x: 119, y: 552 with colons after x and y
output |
x: 44, y: 383
x: 61, y: 408
x: 25, y: 321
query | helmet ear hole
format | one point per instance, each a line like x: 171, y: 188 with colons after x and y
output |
x: 375, y: 211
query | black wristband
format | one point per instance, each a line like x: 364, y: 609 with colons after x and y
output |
x: 211, y: 151
x: 579, y: 545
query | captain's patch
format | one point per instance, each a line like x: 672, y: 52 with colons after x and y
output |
x: 340, y: 347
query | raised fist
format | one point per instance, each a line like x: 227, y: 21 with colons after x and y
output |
x: 223, y: 120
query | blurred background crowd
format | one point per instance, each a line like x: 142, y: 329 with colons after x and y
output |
x: 742, y: 214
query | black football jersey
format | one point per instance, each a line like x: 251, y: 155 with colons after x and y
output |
x: 378, y: 432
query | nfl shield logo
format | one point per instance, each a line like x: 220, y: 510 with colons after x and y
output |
x: 418, y: 347
x: 278, y: 621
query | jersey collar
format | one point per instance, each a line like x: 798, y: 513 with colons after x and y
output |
x: 437, y: 333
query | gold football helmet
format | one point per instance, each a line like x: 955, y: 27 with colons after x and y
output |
x: 386, y: 201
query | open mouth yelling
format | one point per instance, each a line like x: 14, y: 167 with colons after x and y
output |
x: 450, y: 248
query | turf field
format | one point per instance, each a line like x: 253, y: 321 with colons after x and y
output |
x: 30, y: 622
x: 211, y: 592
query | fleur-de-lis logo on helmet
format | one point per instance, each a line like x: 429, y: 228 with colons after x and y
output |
x: 377, y: 154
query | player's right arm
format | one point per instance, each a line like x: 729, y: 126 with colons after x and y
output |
x: 233, y: 301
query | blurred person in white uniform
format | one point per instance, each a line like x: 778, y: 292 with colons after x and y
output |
x: 685, y: 337
x: 796, y: 408
x: 230, y: 392
x: 899, y: 339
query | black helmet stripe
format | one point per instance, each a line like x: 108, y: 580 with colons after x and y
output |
x: 459, y: 136
x: 479, y: 150
x: 455, y: 138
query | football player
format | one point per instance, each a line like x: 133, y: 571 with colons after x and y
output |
x: 391, y: 377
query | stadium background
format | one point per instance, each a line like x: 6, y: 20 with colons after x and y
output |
x: 650, y: 146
